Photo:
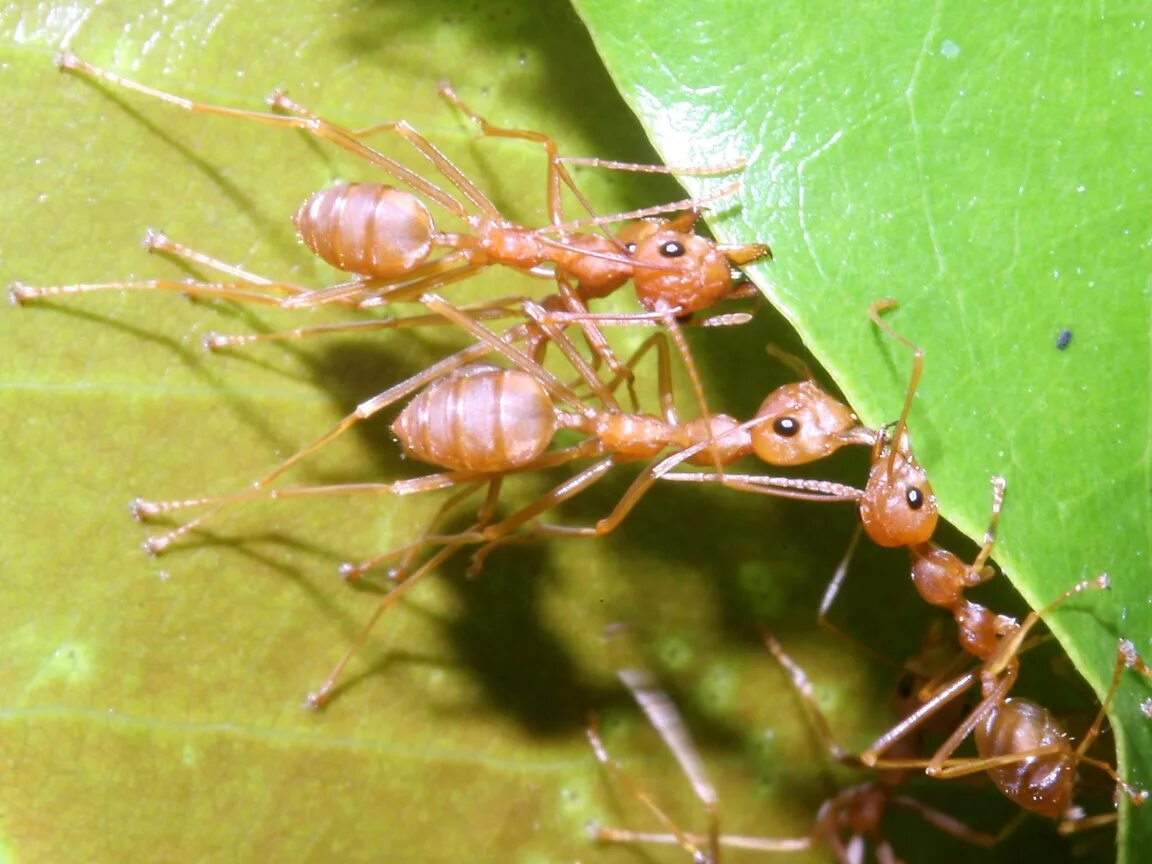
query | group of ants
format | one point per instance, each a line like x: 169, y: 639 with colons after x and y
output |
x: 478, y: 422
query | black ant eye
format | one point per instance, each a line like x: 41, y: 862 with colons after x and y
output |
x: 672, y: 249
x: 786, y: 427
x: 915, y: 498
x: 630, y: 248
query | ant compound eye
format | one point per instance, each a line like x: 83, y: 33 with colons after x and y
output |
x: 786, y: 427
x: 914, y: 497
x: 672, y: 249
x: 630, y: 248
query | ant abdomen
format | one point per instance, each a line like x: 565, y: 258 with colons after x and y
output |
x: 452, y: 423
x: 367, y: 228
x: 1042, y: 783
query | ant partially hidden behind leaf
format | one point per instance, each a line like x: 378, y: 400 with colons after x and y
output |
x: 1023, y: 748
x: 848, y: 823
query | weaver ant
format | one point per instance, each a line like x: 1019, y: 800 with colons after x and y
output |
x: 387, y: 237
x: 483, y: 422
x: 1023, y: 748
x: 897, y: 506
x: 845, y: 824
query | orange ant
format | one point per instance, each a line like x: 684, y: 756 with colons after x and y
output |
x: 1023, y: 748
x: 845, y: 822
x: 483, y: 422
x: 386, y: 236
x: 897, y: 506
x: 480, y: 421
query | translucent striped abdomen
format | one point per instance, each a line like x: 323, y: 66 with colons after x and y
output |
x: 366, y: 228
x: 483, y: 418
x: 1042, y: 784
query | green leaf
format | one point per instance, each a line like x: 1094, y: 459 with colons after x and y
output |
x: 157, y: 704
x: 984, y: 167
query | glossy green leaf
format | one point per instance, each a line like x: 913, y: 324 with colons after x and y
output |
x: 984, y: 167
x: 156, y: 704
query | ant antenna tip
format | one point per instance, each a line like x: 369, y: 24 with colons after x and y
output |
x: 65, y: 59
x: 315, y: 701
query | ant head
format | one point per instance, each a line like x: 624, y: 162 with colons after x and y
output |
x: 633, y: 233
x: 801, y: 423
x: 898, y: 507
x: 679, y: 271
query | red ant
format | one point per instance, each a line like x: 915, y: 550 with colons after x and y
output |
x: 482, y: 420
x: 897, y: 506
x: 482, y: 423
x: 387, y: 236
x: 1022, y: 747
x: 845, y: 823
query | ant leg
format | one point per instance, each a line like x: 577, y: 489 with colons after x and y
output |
x: 998, y: 484
x: 672, y: 326
x: 319, y: 697
x: 782, y: 487
x: 874, y: 312
x: 556, y: 388
x: 754, y: 250
x: 686, y: 841
x: 833, y: 589
x: 802, y: 686
x: 597, y: 344
x: 1126, y: 658
x: 482, y: 311
x: 400, y: 572
x: 478, y: 533
x: 557, y: 173
x: 366, y: 409
x: 404, y: 130
x: 311, y: 124
x: 587, y: 374
x: 19, y: 293
x: 160, y: 243
x: 569, y: 488
x: 953, y: 826
x: 666, y: 720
